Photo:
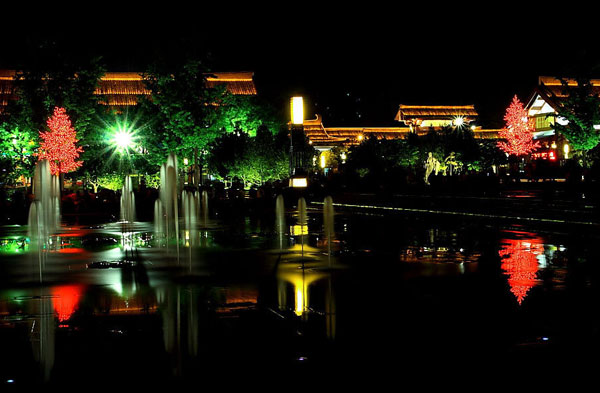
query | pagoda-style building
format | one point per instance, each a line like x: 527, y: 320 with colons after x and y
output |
x: 416, y: 119
x: 122, y: 89
x: 419, y: 117
x: 543, y: 106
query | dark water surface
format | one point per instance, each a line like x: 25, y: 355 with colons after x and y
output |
x: 391, y: 297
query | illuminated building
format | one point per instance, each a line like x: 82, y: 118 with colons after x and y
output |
x: 424, y: 117
x: 121, y: 89
x: 542, y: 107
x: 416, y: 119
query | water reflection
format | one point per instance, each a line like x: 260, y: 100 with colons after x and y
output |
x: 311, y: 280
x: 522, y: 258
x: 65, y: 299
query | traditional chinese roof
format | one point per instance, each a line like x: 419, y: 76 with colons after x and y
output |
x: 551, y: 91
x: 123, y: 88
x: 555, y: 87
x: 411, y: 113
x: 319, y: 135
x: 238, y: 83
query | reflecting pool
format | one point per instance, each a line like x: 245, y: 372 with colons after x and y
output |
x: 292, y: 295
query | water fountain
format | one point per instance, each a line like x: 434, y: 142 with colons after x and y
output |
x: 166, y: 209
x: 190, y: 206
x: 302, y: 220
x: 328, y: 224
x: 44, y: 212
x: 280, y: 219
x: 204, y: 208
x: 127, y: 201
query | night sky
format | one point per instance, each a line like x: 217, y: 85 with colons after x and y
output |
x: 353, y: 66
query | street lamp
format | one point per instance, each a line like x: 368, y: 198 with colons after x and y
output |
x: 297, y: 175
x: 123, y: 137
x: 297, y: 110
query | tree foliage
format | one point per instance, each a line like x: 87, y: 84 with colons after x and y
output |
x: 243, y: 113
x: 59, y: 144
x: 179, y: 111
x: 254, y: 160
x: 518, y: 132
x: 17, y: 153
x: 581, y: 110
x: 54, y: 80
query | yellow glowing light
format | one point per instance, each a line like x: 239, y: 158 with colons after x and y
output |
x: 297, y: 110
x: 323, y: 163
x: 299, y: 309
x: 566, y: 150
x: 459, y: 121
x: 343, y: 156
x: 298, y: 230
x: 185, y: 161
x: 298, y: 182
x: 361, y: 137
x: 553, y: 145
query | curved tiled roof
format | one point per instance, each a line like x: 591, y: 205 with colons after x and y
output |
x: 408, y: 112
x: 123, y: 88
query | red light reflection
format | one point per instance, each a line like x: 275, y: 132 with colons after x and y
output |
x: 519, y: 262
x: 65, y: 300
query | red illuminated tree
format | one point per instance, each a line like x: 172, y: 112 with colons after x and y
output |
x: 518, y: 132
x: 59, y: 144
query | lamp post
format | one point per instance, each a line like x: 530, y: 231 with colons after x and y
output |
x: 297, y: 164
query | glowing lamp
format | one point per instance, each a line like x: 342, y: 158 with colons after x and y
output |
x: 361, y: 137
x: 323, y: 163
x: 298, y: 230
x: 553, y: 145
x: 566, y: 150
x: 123, y: 139
x: 297, y: 110
x: 185, y: 161
x: 298, y: 182
x: 459, y: 121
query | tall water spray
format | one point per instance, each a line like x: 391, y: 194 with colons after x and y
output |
x: 204, y: 208
x: 44, y: 212
x: 280, y: 219
x: 328, y: 223
x: 127, y: 201
x: 190, y: 205
x: 166, y: 209
x: 302, y: 219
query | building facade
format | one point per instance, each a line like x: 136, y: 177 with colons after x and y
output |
x: 122, y: 89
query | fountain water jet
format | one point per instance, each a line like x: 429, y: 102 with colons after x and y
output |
x: 280, y: 219
x: 44, y: 212
x: 328, y: 223
x: 204, y: 208
x: 166, y: 209
x: 127, y: 201
x: 302, y: 219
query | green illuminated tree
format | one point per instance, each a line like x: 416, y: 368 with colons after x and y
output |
x: 581, y: 110
x: 243, y: 113
x: 51, y: 80
x: 17, y: 148
x: 179, y: 112
x: 254, y: 160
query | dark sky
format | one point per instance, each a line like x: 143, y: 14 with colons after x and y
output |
x: 354, y: 66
